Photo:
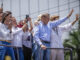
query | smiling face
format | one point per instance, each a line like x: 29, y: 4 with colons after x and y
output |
x: 8, y: 19
x: 14, y: 23
x: 45, y: 18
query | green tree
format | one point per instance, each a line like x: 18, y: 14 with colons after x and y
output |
x: 74, y: 42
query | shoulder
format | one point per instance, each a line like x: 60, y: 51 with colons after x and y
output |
x: 1, y: 24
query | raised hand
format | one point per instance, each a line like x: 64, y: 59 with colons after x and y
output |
x: 70, y: 13
x: 77, y: 17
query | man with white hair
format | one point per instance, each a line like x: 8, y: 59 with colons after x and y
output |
x: 42, y: 34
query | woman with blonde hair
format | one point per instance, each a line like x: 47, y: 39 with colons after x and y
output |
x: 56, y: 41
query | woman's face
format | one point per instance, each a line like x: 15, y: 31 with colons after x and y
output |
x: 8, y: 20
x: 14, y: 23
x: 21, y: 22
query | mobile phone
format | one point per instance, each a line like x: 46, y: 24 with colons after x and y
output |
x: 27, y: 16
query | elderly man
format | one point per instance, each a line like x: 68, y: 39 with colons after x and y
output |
x: 42, y: 34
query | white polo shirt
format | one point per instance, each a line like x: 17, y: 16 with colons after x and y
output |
x: 27, y: 42
x: 56, y: 41
x: 17, y: 36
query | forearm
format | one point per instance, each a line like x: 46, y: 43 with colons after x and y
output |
x: 36, y: 35
x: 70, y: 13
x: 73, y: 22
x: 31, y: 26
x: 58, y: 22
x: 16, y: 31
x: 37, y: 40
x: 66, y: 27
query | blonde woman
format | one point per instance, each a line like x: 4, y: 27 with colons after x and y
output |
x: 56, y: 41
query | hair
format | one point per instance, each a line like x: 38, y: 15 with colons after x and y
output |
x: 5, y: 14
x: 45, y: 14
x: 39, y: 17
x: 53, y: 17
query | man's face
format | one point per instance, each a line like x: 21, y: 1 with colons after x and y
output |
x: 45, y: 19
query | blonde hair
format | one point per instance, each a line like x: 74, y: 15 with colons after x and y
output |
x: 39, y: 17
x: 53, y: 17
x: 42, y: 15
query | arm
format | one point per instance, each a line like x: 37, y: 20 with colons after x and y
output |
x: 36, y: 37
x: 20, y: 29
x: 24, y: 27
x: 77, y: 17
x: 16, y: 31
x: 58, y: 22
x: 67, y: 27
x: 31, y: 26
x: 70, y: 13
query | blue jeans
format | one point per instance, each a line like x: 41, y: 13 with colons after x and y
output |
x: 19, y: 53
x: 34, y: 49
x: 2, y: 52
x: 41, y: 54
x: 8, y: 50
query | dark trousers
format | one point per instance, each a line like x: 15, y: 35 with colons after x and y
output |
x: 27, y: 53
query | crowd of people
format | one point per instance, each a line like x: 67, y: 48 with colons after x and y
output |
x: 27, y: 41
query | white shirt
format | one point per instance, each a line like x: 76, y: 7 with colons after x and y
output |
x: 56, y: 41
x: 27, y: 42
x: 17, y: 36
x: 5, y: 32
